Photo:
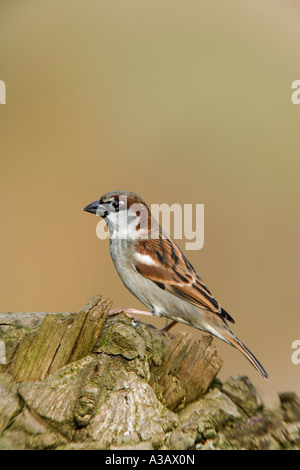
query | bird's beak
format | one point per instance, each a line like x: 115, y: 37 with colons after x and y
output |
x: 95, y: 208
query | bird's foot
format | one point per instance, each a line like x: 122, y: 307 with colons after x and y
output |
x: 129, y: 313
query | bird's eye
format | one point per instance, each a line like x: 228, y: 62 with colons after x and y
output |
x: 115, y: 204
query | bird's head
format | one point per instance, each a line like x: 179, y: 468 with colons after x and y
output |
x: 125, y: 213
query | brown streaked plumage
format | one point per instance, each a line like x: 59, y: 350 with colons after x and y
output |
x: 157, y: 272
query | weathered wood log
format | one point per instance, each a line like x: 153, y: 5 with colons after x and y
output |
x: 59, y: 340
x: 86, y: 380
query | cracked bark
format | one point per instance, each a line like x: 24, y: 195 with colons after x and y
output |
x: 83, y: 380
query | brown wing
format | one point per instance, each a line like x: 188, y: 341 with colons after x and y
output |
x: 171, y: 271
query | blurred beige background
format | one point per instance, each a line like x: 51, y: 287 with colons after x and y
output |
x: 186, y: 102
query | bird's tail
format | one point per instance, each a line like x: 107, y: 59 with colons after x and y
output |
x: 230, y: 338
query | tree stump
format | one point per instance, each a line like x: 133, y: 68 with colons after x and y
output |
x: 188, y: 369
x: 87, y: 380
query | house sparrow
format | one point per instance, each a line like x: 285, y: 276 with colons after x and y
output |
x: 157, y: 272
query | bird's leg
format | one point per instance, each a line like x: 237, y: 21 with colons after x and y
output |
x: 130, y: 313
x: 167, y: 328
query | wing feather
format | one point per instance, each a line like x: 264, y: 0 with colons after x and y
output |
x: 170, y: 270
